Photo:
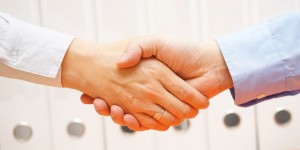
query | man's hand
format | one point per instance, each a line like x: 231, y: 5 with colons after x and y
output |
x: 201, y: 65
x: 142, y: 90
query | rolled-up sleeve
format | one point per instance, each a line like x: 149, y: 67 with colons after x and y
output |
x: 32, y: 53
x: 264, y: 60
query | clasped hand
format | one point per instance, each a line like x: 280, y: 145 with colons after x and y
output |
x: 147, y: 94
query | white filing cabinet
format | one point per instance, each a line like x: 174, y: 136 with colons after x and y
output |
x: 224, y: 17
x: 24, y: 109
x: 278, y: 119
x: 172, y: 17
x: 230, y: 126
x: 191, y: 134
x: 24, y: 113
x: 74, y: 125
x: 117, y: 19
x: 75, y: 17
x: 35, y: 117
x: 179, y: 18
x: 227, y: 123
x: 261, y: 10
x: 278, y: 123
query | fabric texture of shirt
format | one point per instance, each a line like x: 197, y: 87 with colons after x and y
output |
x: 264, y: 61
x: 30, y: 52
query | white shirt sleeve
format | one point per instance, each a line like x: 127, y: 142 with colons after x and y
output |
x: 32, y: 53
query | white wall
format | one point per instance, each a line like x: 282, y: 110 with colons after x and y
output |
x: 49, y: 111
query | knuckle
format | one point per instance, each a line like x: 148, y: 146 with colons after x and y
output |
x: 152, y: 125
x: 186, y: 95
x: 150, y: 92
x: 148, y: 123
x: 170, y: 120
x: 132, y: 104
x: 185, y: 112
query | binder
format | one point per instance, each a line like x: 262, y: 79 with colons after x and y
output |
x: 24, y: 114
x: 24, y: 110
x: 278, y: 119
x: 74, y: 125
x: 173, y: 17
x: 224, y: 17
x: 117, y: 20
x: 263, y: 10
x: 181, y: 19
x: 191, y: 134
x: 230, y: 126
x: 118, y: 137
x: 73, y: 17
x: 278, y: 123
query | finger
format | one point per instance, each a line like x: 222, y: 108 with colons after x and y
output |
x: 150, y: 123
x: 101, y: 107
x: 177, y: 122
x: 117, y: 114
x: 174, y: 105
x: 183, y: 91
x: 204, y: 86
x: 86, y: 99
x: 166, y: 118
x: 132, y: 123
x: 145, y: 48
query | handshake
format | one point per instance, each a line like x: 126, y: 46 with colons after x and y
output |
x: 149, y: 82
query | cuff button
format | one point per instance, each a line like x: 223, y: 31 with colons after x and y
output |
x: 260, y: 96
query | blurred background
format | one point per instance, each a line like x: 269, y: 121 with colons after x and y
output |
x: 35, y: 117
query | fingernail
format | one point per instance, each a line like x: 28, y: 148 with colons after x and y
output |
x: 123, y: 57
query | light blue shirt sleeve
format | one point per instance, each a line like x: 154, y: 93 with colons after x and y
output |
x: 264, y: 61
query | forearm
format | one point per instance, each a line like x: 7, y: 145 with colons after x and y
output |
x: 31, y: 53
x: 263, y: 60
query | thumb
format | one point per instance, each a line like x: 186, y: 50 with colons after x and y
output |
x: 136, y: 50
x: 131, y: 56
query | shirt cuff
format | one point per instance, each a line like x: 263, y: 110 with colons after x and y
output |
x: 33, y: 51
x: 255, y: 64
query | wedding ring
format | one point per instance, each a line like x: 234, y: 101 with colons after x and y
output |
x: 158, y: 115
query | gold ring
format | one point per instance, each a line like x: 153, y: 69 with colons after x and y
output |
x: 158, y: 115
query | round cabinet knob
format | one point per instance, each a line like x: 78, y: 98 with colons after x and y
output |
x: 282, y: 116
x: 232, y: 120
x: 125, y: 129
x: 184, y: 126
x: 76, y: 128
x: 22, y: 131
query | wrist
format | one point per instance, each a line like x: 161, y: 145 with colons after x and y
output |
x: 74, y: 63
x: 221, y: 65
